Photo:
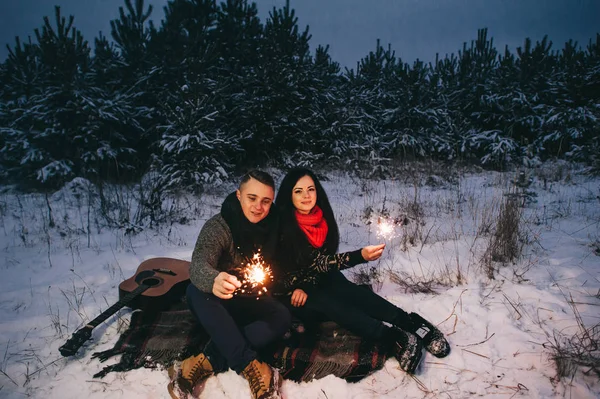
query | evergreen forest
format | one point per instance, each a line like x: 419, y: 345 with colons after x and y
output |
x: 213, y: 91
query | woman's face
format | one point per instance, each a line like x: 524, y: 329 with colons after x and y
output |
x: 304, y: 195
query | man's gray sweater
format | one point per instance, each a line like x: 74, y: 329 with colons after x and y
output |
x: 213, y: 253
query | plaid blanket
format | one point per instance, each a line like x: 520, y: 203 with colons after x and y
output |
x: 159, y: 339
x: 334, y: 350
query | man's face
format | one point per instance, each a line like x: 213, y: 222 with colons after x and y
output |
x: 256, y: 199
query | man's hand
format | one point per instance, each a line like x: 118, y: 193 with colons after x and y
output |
x: 298, y: 298
x: 224, y: 286
x: 372, y: 252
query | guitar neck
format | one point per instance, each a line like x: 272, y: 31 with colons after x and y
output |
x: 115, y: 308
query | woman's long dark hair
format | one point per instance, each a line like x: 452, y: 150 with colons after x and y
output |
x: 293, y: 242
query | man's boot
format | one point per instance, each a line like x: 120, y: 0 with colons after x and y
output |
x: 265, y: 382
x: 188, y: 379
x: 405, y: 347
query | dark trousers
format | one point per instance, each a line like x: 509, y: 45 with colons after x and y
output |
x: 355, y: 308
x: 237, y: 327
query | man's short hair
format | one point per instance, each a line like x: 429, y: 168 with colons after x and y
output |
x: 259, y: 175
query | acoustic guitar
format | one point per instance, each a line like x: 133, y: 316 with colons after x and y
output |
x: 156, y: 284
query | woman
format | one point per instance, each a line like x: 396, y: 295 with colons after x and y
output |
x: 311, y: 277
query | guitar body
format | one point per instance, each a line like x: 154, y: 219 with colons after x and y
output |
x: 167, y: 279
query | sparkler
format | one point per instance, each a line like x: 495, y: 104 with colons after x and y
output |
x: 386, y: 228
x: 254, y: 277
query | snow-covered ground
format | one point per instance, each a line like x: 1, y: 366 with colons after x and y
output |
x: 502, y: 330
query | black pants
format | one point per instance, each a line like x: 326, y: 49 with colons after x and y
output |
x: 238, y: 326
x: 356, y: 308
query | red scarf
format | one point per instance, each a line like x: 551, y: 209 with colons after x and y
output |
x: 314, y: 226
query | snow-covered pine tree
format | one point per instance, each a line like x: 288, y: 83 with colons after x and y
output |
x: 183, y: 48
x: 238, y: 37
x: 21, y: 77
x: 535, y: 94
x: 368, y: 99
x: 3, y: 119
x: 421, y: 118
x: 445, y: 140
x: 591, y: 90
x: 282, y: 90
x: 43, y: 135
x: 195, y: 148
x: 74, y: 121
x: 114, y: 122
x: 486, y: 139
x: 402, y: 108
x: 210, y: 52
x: 332, y: 119
x: 22, y: 70
x: 106, y: 64
x: 571, y: 125
x: 132, y: 34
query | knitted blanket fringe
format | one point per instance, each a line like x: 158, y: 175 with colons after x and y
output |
x: 322, y: 369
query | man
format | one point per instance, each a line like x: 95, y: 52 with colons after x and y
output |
x: 238, y: 325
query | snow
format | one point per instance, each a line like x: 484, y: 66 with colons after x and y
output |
x: 501, y: 330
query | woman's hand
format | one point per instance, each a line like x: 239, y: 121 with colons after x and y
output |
x: 372, y: 252
x: 224, y: 286
x: 298, y: 298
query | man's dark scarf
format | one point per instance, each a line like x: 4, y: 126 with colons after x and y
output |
x: 248, y: 237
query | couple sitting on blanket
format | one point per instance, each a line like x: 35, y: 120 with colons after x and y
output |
x: 299, y: 237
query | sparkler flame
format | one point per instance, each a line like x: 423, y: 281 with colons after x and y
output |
x: 256, y: 272
x: 386, y: 228
x: 254, y: 275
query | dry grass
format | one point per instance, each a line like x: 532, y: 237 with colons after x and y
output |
x: 581, y: 351
x: 368, y: 276
x: 595, y: 245
x: 412, y: 285
x: 505, y: 245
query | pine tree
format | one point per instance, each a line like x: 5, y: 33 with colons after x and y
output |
x: 369, y: 100
x: 282, y: 90
x: 399, y: 107
x: 22, y: 70
x: 486, y: 140
x: 446, y: 141
x: 115, y: 121
x: 536, y: 91
x: 197, y: 145
x: 132, y: 33
x: 21, y: 79
x: 195, y: 149
x: 238, y: 36
x: 329, y: 110
x: 573, y: 127
x: 184, y: 48
x: 44, y: 138
x: 75, y: 121
x: 106, y: 64
x: 591, y: 90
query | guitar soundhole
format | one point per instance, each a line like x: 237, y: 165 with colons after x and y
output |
x: 152, y: 281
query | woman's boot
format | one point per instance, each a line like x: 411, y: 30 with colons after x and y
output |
x: 404, y: 346
x: 433, y: 339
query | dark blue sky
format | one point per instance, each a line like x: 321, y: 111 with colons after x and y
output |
x: 415, y: 28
